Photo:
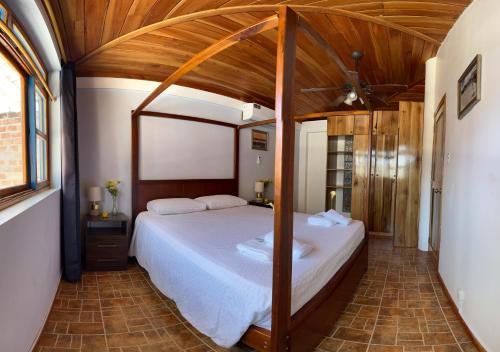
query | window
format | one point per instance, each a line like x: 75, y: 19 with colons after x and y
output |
x: 25, y: 43
x: 13, y: 165
x: 24, y: 123
x: 3, y: 13
x: 41, y: 136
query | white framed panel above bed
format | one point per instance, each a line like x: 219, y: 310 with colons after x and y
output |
x: 175, y: 149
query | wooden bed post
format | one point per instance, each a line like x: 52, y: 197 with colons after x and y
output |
x: 283, y: 178
x: 367, y: 214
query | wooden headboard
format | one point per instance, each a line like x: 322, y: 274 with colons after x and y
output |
x: 145, y: 190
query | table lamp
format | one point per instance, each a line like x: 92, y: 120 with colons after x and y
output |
x: 259, y: 190
x: 94, y: 195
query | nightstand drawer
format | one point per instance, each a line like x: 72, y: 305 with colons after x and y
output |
x: 106, y: 249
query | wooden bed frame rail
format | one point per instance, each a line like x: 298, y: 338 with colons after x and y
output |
x: 305, y: 329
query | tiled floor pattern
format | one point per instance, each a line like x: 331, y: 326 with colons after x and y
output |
x: 399, y: 307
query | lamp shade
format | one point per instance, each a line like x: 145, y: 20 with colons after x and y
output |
x: 259, y: 186
x: 94, y: 194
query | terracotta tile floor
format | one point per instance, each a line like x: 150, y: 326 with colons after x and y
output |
x: 399, y: 307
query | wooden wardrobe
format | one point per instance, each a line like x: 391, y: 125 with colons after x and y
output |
x: 394, y: 175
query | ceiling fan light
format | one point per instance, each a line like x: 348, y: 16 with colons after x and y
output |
x: 348, y: 101
x: 352, y: 95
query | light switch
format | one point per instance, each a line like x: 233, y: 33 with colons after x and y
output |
x: 259, y: 159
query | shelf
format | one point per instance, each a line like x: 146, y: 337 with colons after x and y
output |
x: 338, y: 169
x: 338, y: 187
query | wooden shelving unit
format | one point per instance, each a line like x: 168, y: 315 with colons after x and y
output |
x: 339, y: 172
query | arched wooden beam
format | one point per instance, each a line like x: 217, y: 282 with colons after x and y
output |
x: 254, y: 8
x: 217, y: 47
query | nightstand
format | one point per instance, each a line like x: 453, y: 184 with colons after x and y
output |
x: 106, y: 242
x: 260, y: 204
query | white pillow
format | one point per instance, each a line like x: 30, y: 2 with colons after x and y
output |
x: 169, y: 206
x: 222, y: 201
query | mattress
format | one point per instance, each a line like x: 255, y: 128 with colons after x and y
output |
x: 192, y: 258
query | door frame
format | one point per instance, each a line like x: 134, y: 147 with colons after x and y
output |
x: 440, y: 111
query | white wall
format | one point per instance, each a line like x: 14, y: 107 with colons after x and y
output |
x: 30, y: 263
x: 312, y: 166
x: 471, y: 193
x: 427, y: 142
x: 250, y: 171
x: 104, y: 124
x: 30, y: 269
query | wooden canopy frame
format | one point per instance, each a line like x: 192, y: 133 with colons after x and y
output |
x: 305, y: 329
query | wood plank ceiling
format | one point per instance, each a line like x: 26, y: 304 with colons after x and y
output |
x: 149, y: 39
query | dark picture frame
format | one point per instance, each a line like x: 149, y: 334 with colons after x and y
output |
x: 469, y: 87
x: 259, y: 140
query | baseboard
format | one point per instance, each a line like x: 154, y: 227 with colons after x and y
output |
x: 454, y: 307
x: 40, y: 330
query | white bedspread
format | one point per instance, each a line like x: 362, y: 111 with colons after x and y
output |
x: 192, y: 259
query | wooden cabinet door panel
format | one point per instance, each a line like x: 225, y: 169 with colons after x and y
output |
x: 361, y: 124
x: 385, y: 122
x: 407, y: 209
x: 340, y: 125
x: 359, y: 177
x: 384, y: 183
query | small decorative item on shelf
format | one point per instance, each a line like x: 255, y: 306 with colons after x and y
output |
x: 104, y: 215
x: 332, y: 199
x: 112, y: 188
x: 94, y: 196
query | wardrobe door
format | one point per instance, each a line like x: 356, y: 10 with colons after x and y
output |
x: 360, y: 177
x: 340, y: 125
x: 384, y: 183
x: 411, y: 122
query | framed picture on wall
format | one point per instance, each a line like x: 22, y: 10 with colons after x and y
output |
x: 469, y: 87
x: 259, y: 140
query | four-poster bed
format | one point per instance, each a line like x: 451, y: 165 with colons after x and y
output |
x: 304, y: 329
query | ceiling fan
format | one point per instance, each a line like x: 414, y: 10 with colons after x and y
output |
x: 348, y: 93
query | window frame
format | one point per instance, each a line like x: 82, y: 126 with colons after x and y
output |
x: 32, y: 84
x: 46, y: 137
x: 11, y: 191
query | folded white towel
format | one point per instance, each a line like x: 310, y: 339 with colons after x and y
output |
x: 257, y: 249
x: 337, y: 217
x: 300, y: 249
x: 319, y: 220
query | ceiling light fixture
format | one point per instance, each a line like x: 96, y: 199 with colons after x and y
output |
x: 352, y: 95
x: 348, y: 101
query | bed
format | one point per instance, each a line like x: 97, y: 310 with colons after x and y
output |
x: 210, y: 266
x: 192, y: 258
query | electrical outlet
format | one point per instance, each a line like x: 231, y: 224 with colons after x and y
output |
x: 448, y: 158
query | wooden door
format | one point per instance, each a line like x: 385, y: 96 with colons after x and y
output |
x: 384, y: 163
x: 383, y: 172
x: 359, y: 177
x: 407, y: 208
x: 437, y: 179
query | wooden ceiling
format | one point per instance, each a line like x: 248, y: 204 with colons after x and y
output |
x: 149, y: 39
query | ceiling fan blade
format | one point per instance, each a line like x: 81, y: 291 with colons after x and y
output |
x: 319, y: 89
x: 339, y: 100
